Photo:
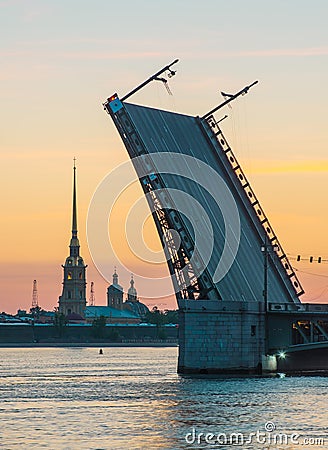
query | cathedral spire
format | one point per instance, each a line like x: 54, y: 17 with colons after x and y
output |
x: 73, y: 298
x: 74, y: 244
x: 74, y: 216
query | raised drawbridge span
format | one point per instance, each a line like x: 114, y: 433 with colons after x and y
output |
x: 230, y: 311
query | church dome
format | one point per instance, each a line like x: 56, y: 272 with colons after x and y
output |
x: 132, y: 292
x: 137, y: 308
x: 132, y: 303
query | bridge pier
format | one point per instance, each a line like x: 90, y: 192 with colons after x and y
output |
x: 222, y: 337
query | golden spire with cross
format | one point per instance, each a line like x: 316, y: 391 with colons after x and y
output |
x: 74, y: 216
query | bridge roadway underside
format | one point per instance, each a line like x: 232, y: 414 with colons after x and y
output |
x: 218, y: 337
x: 309, y: 359
x: 301, y: 337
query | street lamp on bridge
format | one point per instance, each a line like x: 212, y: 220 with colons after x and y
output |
x: 266, y: 249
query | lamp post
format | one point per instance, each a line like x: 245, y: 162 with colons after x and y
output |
x: 266, y: 249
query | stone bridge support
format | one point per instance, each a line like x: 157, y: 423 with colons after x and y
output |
x: 221, y: 337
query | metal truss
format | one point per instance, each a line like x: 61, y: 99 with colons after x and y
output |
x: 187, y: 282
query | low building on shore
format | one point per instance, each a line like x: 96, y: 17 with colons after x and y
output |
x: 112, y: 315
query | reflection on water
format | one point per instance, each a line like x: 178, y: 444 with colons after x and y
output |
x: 132, y: 398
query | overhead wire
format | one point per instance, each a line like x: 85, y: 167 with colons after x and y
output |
x: 310, y: 273
x: 325, y: 289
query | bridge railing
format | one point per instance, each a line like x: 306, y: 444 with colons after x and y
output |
x: 300, y: 307
x: 255, y: 204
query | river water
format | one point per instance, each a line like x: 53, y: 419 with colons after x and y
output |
x: 132, y: 398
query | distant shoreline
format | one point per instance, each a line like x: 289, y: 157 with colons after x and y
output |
x: 88, y: 344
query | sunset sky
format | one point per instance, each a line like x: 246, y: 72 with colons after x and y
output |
x: 61, y: 59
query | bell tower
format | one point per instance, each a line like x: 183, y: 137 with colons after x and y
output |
x: 73, y: 298
x: 115, y: 293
